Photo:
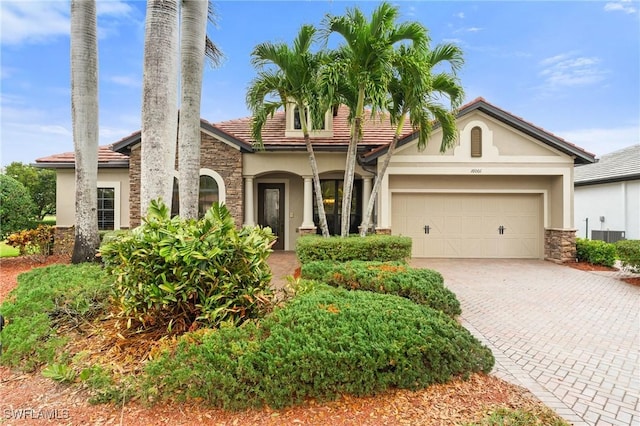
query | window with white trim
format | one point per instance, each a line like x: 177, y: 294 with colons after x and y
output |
x: 212, y: 190
x: 106, y: 209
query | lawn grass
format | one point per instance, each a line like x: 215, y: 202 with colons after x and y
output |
x: 7, y: 251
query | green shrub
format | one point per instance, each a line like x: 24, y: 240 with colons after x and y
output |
x: 322, y: 344
x: 174, y: 272
x: 629, y: 253
x: 381, y: 248
x: 422, y: 286
x: 44, y: 299
x: 33, y: 241
x: 595, y: 252
x: 17, y: 210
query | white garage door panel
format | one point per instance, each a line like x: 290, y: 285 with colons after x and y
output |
x: 466, y: 225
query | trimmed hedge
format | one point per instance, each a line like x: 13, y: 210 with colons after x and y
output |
x: 595, y: 252
x: 45, y: 299
x: 422, y: 286
x: 629, y: 253
x: 382, y: 248
x: 324, y: 343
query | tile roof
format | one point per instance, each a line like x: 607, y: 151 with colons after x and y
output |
x: 106, y: 158
x: 377, y: 131
x: 623, y: 164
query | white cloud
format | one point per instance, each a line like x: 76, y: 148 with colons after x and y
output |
x: 602, y: 141
x: 125, y: 80
x: 460, y: 15
x: 568, y: 69
x: 40, y: 21
x: 623, y: 6
x: 54, y: 129
x: 468, y: 30
x: 33, y: 22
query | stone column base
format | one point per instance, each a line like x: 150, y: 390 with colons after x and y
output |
x: 307, y: 231
x: 383, y: 231
x: 560, y: 245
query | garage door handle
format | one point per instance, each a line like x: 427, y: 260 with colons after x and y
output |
x: 426, y: 229
x: 501, y: 230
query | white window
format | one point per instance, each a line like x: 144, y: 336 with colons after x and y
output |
x: 108, y: 206
x: 212, y: 190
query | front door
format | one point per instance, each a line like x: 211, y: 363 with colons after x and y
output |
x: 271, y: 210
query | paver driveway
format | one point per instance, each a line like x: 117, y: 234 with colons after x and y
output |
x: 571, y: 337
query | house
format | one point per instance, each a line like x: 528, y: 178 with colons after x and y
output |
x: 505, y: 190
x: 607, y: 196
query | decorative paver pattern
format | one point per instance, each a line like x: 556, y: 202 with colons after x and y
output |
x: 571, y: 337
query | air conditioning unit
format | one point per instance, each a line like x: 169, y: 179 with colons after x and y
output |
x: 607, y: 236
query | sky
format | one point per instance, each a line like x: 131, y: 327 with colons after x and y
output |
x: 569, y: 67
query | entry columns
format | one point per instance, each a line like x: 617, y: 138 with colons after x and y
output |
x: 248, y: 202
x: 307, y: 212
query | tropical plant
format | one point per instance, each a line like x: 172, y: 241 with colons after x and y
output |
x: 366, y: 62
x: 415, y: 93
x: 84, y: 114
x: 16, y: 207
x: 288, y: 77
x: 41, y: 184
x: 173, y: 272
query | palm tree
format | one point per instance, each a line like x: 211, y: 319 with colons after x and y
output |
x: 159, y: 102
x: 415, y: 93
x: 366, y: 60
x: 84, y: 115
x: 291, y: 81
x: 194, y: 46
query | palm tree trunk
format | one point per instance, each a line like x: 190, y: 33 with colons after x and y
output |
x: 84, y: 115
x: 366, y: 221
x: 159, y: 98
x: 350, y: 169
x: 192, y: 50
x: 324, y: 228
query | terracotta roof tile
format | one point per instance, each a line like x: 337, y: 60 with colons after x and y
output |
x: 106, y: 156
x: 377, y: 131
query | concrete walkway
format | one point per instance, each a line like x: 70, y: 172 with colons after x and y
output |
x: 570, y: 337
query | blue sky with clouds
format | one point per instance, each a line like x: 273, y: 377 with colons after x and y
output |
x: 570, y: 67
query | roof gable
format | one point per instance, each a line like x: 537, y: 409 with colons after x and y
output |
x: 480, y: 105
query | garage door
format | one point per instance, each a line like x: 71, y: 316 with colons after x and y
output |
x: 470, y: 225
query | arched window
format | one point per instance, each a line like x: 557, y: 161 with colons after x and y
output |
x: 212, y: 190
x: 208, y: 194
x: 476, y: 142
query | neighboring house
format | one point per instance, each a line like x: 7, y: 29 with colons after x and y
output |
x: 607, y: 197
x: 504, y: 191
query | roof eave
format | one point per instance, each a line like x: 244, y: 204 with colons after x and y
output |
x: 579, y: 156
x: 71, y: 165
x: 613, y: 179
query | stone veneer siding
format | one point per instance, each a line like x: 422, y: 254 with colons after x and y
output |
x: 560, y: 245
x: 214, y: 155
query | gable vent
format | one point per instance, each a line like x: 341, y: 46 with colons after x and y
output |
x: 476, y: 142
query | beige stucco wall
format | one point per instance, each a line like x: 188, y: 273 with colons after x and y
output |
x: 511, y: 162
x: 294, y: 162
x: 65, y: 194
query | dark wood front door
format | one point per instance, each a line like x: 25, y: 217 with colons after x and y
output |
x: 271, y: 210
